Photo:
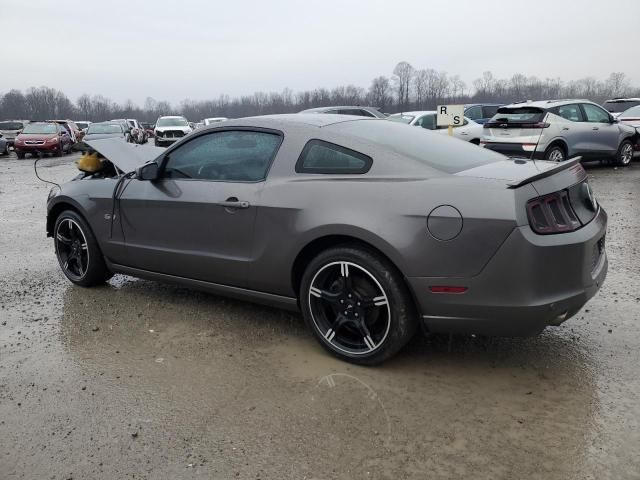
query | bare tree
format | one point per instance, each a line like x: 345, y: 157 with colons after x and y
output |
x: 380, y: 92
x: 402, y: 75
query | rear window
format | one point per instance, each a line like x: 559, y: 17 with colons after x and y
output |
x: 631, y: 112
x: 10, y: 125
x: 618, y: 106
x: 101, y: 128
x: 428, y: 148
x: 324, y: 157
x: 518, y: 115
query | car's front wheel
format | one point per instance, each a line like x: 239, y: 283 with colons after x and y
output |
x: 77, y: 250
x: 357, y: 305
x: 625, y: 153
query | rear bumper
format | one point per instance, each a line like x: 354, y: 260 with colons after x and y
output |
x: 515, y: 149
x: 532, y: 282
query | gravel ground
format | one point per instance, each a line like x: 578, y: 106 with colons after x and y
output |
x: 137, y: 379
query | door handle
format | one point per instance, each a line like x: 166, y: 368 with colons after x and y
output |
x: 595, y: 128
x: 233, y: 202
x: 565, y: 128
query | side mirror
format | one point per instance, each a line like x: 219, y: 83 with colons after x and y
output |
x: 148, y: 171
x: 614, y: 119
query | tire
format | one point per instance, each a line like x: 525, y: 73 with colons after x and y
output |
x: 625, y: 153
x: 555, y: 153
x: 78, y: 252
x: 60, y: 151
x: 20, y: 155
x: 356, y: 304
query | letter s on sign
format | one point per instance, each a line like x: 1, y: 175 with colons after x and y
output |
x: 456, y: 120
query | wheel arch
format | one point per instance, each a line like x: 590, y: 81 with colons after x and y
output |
x: 56, y: 209
x: 560, y: 142
x: 314, y: 247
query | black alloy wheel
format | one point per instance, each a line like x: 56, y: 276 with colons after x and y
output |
x: 356, y: 305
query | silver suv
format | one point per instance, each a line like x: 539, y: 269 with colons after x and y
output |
x: 9, y: 130
x: 559, y: 129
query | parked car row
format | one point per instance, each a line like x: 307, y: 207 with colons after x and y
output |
x: 553, y: 130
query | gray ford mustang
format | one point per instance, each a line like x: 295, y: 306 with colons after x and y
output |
x: 368, y: 227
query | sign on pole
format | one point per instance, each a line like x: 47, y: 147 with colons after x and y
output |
x: 450, y: 116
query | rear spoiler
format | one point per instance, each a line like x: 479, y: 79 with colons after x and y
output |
x: 571, y: 163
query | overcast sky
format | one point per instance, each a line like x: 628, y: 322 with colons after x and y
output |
x: 177, y: 49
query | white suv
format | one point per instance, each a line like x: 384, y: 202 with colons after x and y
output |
x: 559, y: 129
x: 170, y: 129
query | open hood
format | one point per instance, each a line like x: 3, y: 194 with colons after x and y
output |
x: 126, y: 156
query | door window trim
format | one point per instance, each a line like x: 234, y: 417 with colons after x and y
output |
x: 586, y: 117
x: 300, y: 168
x: 164, y: 158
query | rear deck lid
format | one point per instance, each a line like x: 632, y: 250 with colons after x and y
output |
x: 518, y: 172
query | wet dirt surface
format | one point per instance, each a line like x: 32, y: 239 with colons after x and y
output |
x: 138, y: 379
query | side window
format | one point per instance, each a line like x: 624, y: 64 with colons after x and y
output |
x: 352, y: 111
x: 474, y: 113
x: 570, y: 112
x: 427, y: 121
x: 595, y: 114
x: 488, y: 111
x: 232, y: 156
x: 323, y: 157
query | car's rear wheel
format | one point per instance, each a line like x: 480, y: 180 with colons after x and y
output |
x: 357, y: 305
x: 625, y: 153
x: 20, y: 155
x: 555, y: 153
x: 6, y: 148
x: 77, y: 251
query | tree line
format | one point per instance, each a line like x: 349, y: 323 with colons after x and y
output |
x: 407, y: 88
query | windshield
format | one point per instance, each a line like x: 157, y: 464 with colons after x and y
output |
x: 82, y: 125
x: 10, y: 126
x: 518, y: 115
x: 620, y: 106
x: 40, y: 128
x: 398, y: 117
x: 172, y: 122
x: 631, y: 112
x: 435, y: 151
x: 104, y: 128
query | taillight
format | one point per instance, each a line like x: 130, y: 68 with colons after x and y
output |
x: 552, y: 213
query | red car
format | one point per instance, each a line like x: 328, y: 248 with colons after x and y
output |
x: 43, y: 137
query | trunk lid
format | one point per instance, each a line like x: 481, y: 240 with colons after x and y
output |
x: 518, y: 172
x: 524, y: 123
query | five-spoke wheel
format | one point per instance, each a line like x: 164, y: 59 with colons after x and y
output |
x: 356, y: 304
x: 72, y: 249
x: 78, y: 253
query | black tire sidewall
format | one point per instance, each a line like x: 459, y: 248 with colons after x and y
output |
x: 403, y: 324
x: 97, y: 271
x: 547, y: 154
x: 619, y: 155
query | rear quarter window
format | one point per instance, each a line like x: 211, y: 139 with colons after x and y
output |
x: 323, y: 157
